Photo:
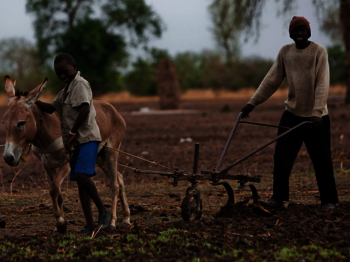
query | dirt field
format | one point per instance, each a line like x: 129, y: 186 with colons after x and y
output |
x: 301, y: 232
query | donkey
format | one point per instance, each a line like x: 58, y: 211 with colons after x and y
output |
x: 28, y: 128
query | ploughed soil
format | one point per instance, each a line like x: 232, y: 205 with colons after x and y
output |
x: 301, y: 231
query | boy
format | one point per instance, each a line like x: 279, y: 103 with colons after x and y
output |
x: 305, y: 64
x: 79, y: 130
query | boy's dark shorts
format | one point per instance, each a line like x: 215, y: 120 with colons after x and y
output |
x: 83, y: 159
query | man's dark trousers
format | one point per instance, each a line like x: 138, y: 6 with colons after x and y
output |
x: 318, y: 145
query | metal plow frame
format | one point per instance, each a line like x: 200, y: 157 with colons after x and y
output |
x: 191, y: 205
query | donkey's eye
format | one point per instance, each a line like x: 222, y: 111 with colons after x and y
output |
x: 21, y: 123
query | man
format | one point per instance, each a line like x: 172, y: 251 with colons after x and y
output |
x: 305, y: 64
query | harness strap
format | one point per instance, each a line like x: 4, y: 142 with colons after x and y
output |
x: 51, y: 148
x: 24, y: 157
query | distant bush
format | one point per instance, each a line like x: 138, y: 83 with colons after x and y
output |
x: 336, y: 59
x: 198, y: 70
x: 249, y: 72
x: 142, y: 79
x: 189, y: 70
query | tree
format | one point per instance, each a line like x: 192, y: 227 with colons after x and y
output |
x: 249, y: 72
x: 336, y: 59
x: 188, y: 69
x: 141, y: 80
x: 331, y: 25
x: 98, y: 42
x: 133, y: 16
x: 18, y: 58
x: 157, y: 54
x: 225, y: 30
x: 53, y: 18
x: 17, y: 55
x: 97, y: 52
x: 247, y: 16
x: 345, y: 22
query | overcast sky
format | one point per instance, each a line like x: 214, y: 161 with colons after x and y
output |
x: 187, y: 23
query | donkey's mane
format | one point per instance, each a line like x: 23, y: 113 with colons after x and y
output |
x: 19, y: 93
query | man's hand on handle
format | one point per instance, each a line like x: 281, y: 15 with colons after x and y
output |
x: 246, y: 110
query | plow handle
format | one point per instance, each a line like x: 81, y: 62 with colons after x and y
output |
x: 227, y: 168
x: 228, y: 142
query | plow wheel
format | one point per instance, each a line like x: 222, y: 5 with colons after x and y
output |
x: 191, y: 205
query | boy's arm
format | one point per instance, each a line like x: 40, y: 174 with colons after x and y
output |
x: 321, y: 85
x: 83, y: 113
x: 84, y: 110
x: 81, y: 99
x: 45, y: 107
x: 50, y: 108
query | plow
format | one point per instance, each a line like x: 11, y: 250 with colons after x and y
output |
x: 191, y: 206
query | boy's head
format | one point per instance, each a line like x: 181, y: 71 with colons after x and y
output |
x: 299, y: 29
x: 65, y: 67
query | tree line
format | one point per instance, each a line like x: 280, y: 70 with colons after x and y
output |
x: 202, y: 70
x: 101, y: 33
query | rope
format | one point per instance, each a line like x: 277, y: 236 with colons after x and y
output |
x: 140, y: 158
x: 136, y: 170
x: 114, y: 149
x: 132, y: 168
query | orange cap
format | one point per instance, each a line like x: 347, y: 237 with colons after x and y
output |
x: 297, y: 21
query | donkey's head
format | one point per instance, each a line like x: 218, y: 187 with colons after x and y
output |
x: 19, y: 121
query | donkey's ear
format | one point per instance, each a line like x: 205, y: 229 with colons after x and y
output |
x: 9, y: 86
x: 35, y: 93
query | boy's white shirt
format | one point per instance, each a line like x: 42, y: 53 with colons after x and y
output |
x: 67, y: 103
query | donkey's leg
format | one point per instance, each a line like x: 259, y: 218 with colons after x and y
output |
x: 109, y: 167
x: 62, y: 173
x: 123, y: 199
x: 122, y: 195
x: 55, y: 189
x: 57, y: 177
